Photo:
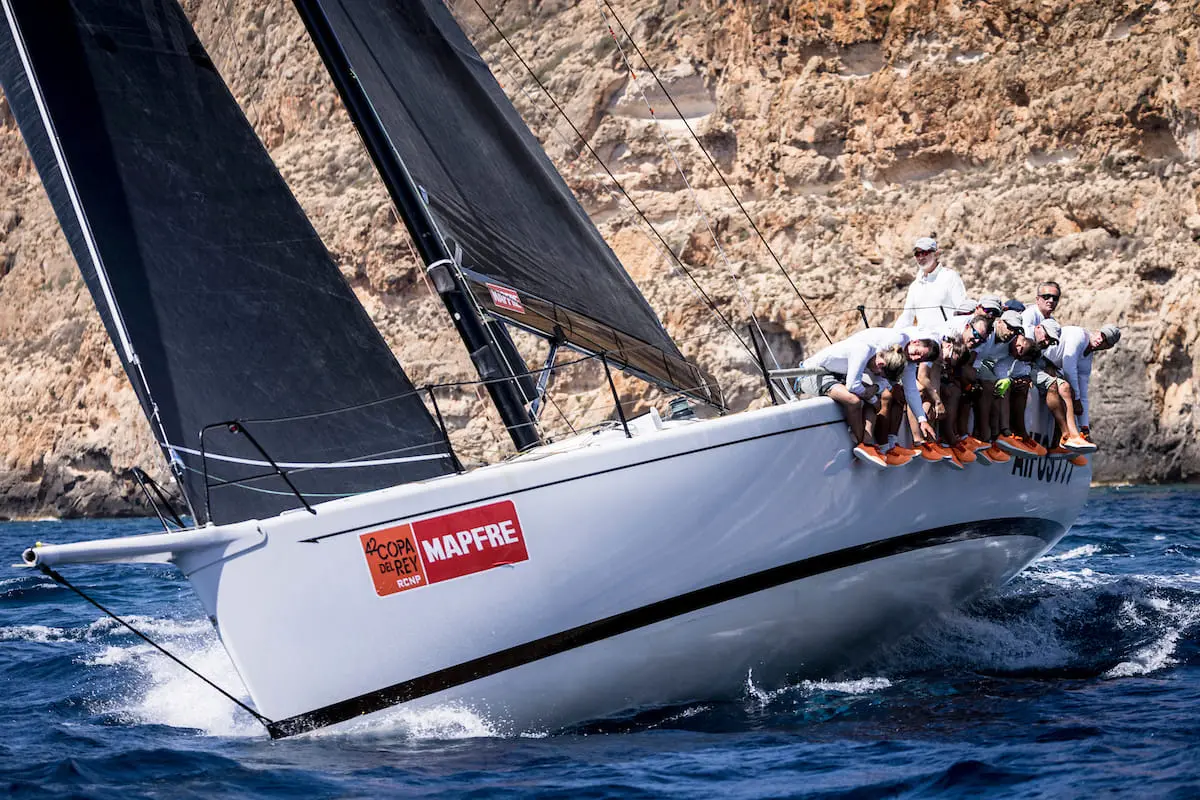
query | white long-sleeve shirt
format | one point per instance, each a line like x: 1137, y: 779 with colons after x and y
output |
x: 882, y: 339
x: 847, y: 357
x: 1031, y: 317
x: 942, y: 287
x: 992, y: 349
x: 951, y: 328
x: 1074, y: 363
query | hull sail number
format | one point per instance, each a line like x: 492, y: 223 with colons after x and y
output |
x: 442, y: 548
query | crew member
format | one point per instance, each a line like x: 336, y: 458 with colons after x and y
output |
x: 935, y: 293
x: 1072, y: 359
x: 842, y: 367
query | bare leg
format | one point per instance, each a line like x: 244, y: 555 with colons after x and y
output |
x: 890, y: 403
x: 1055, y: 403
x: 852, y: 408
x: 1068, y: 399
x: 868, y: 411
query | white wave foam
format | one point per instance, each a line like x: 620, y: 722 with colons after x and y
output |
x: 154, y: 627
x: 1160, y: 653
x: 154, y: 690
x: 33, y: 633
x: 764, y: 697
x: 1079, y: 552
x: 442, y: 722
x: 860, y: 686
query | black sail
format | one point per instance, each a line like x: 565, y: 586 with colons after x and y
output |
x: 221, y: 300
x: 529, y: 250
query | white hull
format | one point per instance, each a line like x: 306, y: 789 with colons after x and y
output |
x: 660, y: 569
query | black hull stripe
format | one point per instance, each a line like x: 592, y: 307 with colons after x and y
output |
x: 475, y: 500
x: 1047, y: 530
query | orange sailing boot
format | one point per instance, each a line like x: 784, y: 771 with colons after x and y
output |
x: 964, y: 454
x: 930, y: 451
x: 974, y: 444
x: 897, y: 457
x: 1034, y: 446
x: 869, y: 453
x: 994, y: 455
x: 1014, y: 446
x: 1078, y: 444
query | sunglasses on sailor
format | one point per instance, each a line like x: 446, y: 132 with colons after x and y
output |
x: 923, y: 253
x: 976, y: 336
x: 1051, y: 297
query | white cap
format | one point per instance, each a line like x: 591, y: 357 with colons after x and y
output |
x: 1051, y: 328
x: 991, y: 303
x: 1013, y: 320
x: 965, y: 307
x: 925, y: 243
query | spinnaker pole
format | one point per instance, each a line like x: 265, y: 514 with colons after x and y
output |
x: 493, y: 356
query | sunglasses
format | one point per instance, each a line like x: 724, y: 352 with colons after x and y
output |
x: 976, y: 336
x: 991, y: 313
x: 920, y: 253
x: 1053, y: 297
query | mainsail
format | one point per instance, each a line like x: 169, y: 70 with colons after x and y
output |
x: 221, y: 299
x: 529, y: 251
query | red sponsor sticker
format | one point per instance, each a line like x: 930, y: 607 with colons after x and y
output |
x: 506, y: 298
x: 445, y: 547
x: 470, y: 541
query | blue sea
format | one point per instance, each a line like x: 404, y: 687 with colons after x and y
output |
x: 1081, y: 677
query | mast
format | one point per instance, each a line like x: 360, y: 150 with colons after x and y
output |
x: 493, y: 355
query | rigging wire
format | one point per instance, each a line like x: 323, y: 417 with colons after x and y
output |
x: 682, y: 174
x: 59, y: 579
x: 711, y: 304
x: 711, y: 163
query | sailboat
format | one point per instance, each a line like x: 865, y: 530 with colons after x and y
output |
x: 348, y: 561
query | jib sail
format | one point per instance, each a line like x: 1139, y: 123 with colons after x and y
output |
x: 220, y: 298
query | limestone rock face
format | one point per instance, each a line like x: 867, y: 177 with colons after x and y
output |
x: 1039, y: 139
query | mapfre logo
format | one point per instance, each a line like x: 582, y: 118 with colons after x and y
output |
x: 445, y: 547
x: 505, y: 298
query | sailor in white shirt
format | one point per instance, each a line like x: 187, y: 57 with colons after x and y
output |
x: 1048, y: 296
x: 920, y: 348
x: 993, y: 361
x: 1012, y: 394
x: 845, y: 377
x: 1072, y: 358
x: 935, y: 293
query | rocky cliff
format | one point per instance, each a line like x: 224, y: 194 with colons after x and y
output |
x: 1039, y: 139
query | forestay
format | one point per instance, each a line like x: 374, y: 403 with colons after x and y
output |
x: 222, y: 301
x: 530, y: 252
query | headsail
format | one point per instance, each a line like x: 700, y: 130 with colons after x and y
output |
x: 529, y: 250
x: 222, y: 301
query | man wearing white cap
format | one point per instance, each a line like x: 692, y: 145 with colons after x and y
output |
x: 1072, y: 357
x: 936, y: 292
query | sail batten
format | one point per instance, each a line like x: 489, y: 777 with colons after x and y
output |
x: 490, y: 188
x: 222, y: 300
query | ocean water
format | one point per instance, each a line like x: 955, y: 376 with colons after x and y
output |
x: 1081, y: 677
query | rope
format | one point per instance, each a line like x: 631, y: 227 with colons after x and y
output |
x: 682, y: 174
x: 711, y: 163
x: 712, y: 305
x: 46, y: 570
